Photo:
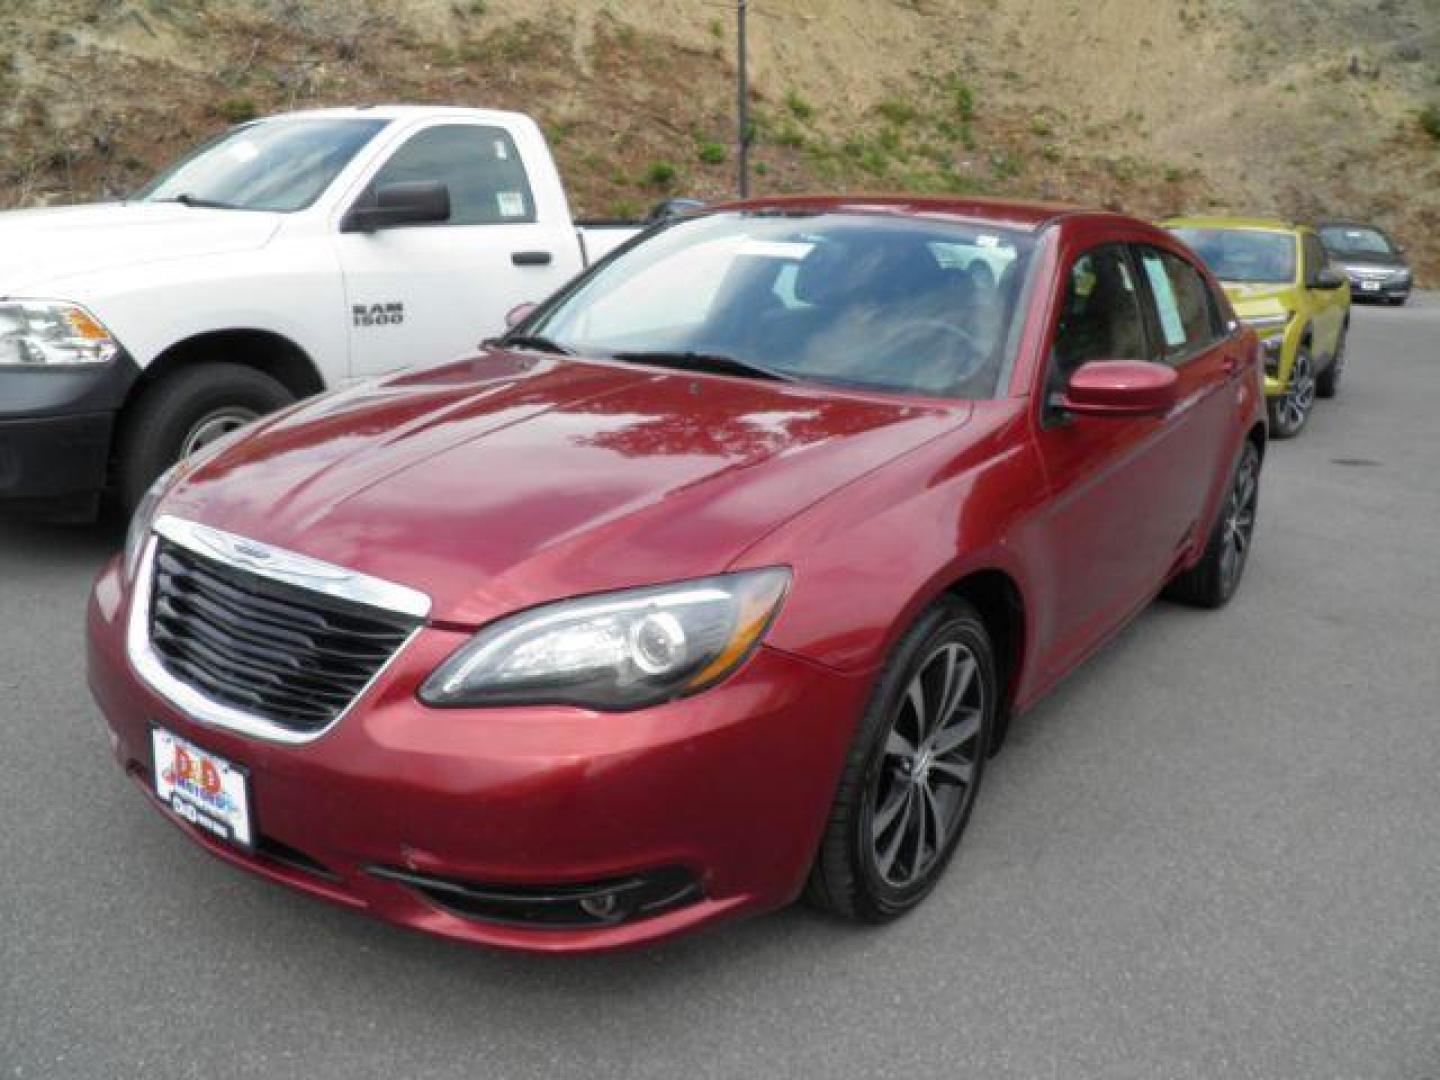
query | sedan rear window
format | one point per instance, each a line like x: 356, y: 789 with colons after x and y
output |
x: 864, y: 300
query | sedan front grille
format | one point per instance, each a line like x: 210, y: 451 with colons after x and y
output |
x: 289, y: 656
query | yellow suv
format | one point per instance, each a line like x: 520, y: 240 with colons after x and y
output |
x: 1280, y: 282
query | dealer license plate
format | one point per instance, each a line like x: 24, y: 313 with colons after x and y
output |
x: 203, y: 788
x: 1369, y: 286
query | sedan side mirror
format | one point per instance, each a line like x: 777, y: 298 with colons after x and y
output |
x: 1118, y: 389
x: 420, y: 202
x: 1329, y: 278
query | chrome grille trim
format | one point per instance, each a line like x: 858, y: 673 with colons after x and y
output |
x: 199, y: 706
x: 291, y: 569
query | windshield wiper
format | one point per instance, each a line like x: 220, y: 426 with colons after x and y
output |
x: 711, y: 362
x: 536, y: 342
x: 186, y: 199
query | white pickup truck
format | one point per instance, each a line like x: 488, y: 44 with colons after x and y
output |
x: 286, y: 256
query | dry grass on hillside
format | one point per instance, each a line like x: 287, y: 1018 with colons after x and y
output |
x: 1155, y: 106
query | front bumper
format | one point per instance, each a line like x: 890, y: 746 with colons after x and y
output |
x: 56, y: 429
x: 731, y: 787
x: 1383, y: 289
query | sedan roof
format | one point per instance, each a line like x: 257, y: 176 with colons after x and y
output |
x: 1021, y: 215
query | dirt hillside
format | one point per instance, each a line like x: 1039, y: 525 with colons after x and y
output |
x: 1302, y: 108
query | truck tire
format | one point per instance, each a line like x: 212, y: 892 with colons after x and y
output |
x: 184, y: 412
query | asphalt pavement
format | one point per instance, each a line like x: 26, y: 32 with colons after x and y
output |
x: 1213, y: 852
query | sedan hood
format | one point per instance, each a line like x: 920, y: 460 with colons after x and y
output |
x: 507, y: 480
x: 37, y: 247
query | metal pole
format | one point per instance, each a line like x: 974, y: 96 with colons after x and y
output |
x: 744, y: 108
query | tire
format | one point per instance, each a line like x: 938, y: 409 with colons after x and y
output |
x: 182, y: 413
x: 1212, y: 581
x: 1291, y: 410
x: 891, y: 795
x: 1328, y: 384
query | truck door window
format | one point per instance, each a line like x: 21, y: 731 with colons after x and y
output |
x: 479, y: 165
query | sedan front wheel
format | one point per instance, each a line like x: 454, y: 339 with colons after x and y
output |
x: 913, y: 771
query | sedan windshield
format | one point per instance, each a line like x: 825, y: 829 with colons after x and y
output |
x: 871, y: 301
x: 1349, y: 240
x: 279, y: 165
x: 1244, y: 256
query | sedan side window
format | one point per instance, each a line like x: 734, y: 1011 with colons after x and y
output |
x: 480, y: 166
x: 1101, y: 318
x: 1187, y: 312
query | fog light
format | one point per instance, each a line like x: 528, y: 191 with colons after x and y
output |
x: 603, y: 907
x: 597, y: 904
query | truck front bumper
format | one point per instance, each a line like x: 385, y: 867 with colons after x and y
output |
x: 56, y: 428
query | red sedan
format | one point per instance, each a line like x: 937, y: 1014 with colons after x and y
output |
x: 714, y: 582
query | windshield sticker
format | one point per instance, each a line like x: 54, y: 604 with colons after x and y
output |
x: 775, y: 249
x: 502, y: 152
x: 1165, y: 301
x: 986, y: 240
x: 243, y: 150
x: 510, y: 203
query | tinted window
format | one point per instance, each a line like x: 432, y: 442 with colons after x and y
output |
x: 1101, y: 318
x: 1244, y: 256
x: 1356, y: 240
x: 279, y: 165
x: 479, y: 165
x: 1187, y: 313
x: 1314, y: 257
x: 871, y: 301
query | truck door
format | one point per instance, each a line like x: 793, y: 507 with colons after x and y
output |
x: 423, y: 294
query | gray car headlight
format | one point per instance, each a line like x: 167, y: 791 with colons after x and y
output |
x: 616, y: 651
x: 52, y: 333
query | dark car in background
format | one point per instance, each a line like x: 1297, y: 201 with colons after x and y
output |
x: 1370, y: 258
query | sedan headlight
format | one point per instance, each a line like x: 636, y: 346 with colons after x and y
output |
x: 144, y: 517
x: 51, y: 333
x: 618, y: 651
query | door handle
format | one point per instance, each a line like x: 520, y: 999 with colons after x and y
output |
x: 531, y: 258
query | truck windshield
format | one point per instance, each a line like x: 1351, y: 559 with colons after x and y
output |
x: 870, y: 301
x: 278, y: 165
x: 1244, y: 256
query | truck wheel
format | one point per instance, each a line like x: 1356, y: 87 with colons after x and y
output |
x: 185, y: 412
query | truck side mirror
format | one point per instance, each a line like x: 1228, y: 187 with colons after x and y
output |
x: 417, y: 202
x: 518, y: 314
x: 1329, y: 278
